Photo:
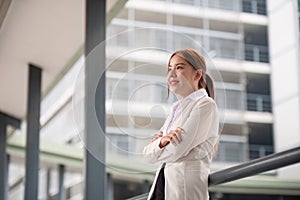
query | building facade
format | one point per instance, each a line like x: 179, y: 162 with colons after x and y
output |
x: 252, y: 51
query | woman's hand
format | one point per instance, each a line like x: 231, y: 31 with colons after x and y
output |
x: 174, y: 137
x: 158, y: 135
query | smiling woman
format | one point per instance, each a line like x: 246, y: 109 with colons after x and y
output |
x: 182, y: 78
x: 189, y: 137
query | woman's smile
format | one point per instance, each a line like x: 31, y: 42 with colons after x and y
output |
x: 173, y: 82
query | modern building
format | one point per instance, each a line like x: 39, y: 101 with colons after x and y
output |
x: 252, y: 51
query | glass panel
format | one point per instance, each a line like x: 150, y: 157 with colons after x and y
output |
x: 259, y: 102
x: 225, y: 48
x: 234, y: 99
x: 231, y: 152
x: 255, y: 6
x: 256, y: 53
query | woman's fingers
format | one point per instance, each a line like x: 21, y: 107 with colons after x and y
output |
x: 175, y: 136
x: 164, y: 141
x: 174, y: 140
x: 158, y: 135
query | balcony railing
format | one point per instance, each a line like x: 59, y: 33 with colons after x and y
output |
x: 241, y: 152
x: 259, y: 102
x: 231, y: 152
x: 118, y: 89
x: 258, y: 151
x: 234, y: 99
x: 256, y: 53
x: 223, y: 47
x: 250, y: 6
x: 233, y: 5
x: 255, y: 6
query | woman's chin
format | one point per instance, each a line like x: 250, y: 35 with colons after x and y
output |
x: 176, y: 91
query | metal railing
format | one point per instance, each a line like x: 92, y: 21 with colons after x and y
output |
x: 267, y: 163
x: 259, y: 102
x: 260, y: 165
x: 232, y: 5
x: 255, y: 6
x: 259, y: 150
x: 249, y: 6
x: 256, y: 53
x: 229, y: 48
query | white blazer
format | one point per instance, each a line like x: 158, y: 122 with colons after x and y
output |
x: 187, y: 164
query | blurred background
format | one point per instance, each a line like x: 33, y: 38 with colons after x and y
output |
x: 252, y: 51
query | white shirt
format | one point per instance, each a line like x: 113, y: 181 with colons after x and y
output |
x: 177, y: 106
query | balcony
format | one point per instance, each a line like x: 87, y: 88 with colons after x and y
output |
x: 231, y: 152
x: 258, y: 151
x: 256, y: 7
x: 234, y: 99
x: 256, y: 53
x: 222, y: 47
x: 225, y: 48
x: 233, y: 5
x: 241, y: 152
x: 259, y: 102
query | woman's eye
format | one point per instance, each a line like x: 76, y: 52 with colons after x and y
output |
x: 179, y: 67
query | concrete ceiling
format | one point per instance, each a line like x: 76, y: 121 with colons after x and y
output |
x: 47, y: 33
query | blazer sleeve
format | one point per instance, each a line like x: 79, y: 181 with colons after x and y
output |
x: 201, y: 124
x: 152, y: 151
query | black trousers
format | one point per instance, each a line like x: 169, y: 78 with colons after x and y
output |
x: 159, y: 189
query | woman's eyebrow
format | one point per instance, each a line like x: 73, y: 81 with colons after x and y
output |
x: 177, y: 64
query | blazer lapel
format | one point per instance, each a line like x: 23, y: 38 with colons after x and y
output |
x: 183, y: 114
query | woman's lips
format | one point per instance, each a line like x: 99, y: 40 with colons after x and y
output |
x: 173, y: 82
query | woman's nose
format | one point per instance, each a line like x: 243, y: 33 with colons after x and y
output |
x: 172, y: 73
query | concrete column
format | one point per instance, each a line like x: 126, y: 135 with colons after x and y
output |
x: 61, y: 188
x: 3, y: 158
x: 33, y: 133
x: 94, y: 121
x: 285, y: 75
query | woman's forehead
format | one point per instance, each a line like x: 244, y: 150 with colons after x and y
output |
x: 176, y: 59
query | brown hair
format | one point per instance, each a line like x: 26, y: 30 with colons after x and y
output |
x: 197, y: 61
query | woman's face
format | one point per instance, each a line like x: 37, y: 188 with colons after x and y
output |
x: 182, y: 77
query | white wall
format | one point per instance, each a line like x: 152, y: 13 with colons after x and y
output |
x: 285, y: 76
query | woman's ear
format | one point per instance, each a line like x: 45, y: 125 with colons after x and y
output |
x: 198, y: 74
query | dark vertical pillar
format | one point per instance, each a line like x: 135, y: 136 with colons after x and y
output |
x: 110, y: 187
x: 7, y: 172
x: 48, y: 184
x: 33, y: 133
x: 95, y: 173
x: 3, y: 158
x: 61, y: 188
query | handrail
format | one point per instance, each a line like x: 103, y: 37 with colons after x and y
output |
x: 259, y: 165
x: 256, y: 166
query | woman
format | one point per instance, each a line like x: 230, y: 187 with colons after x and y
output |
x: 188, y: 138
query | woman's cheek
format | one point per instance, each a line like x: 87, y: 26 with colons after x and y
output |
x: 182, y: 80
